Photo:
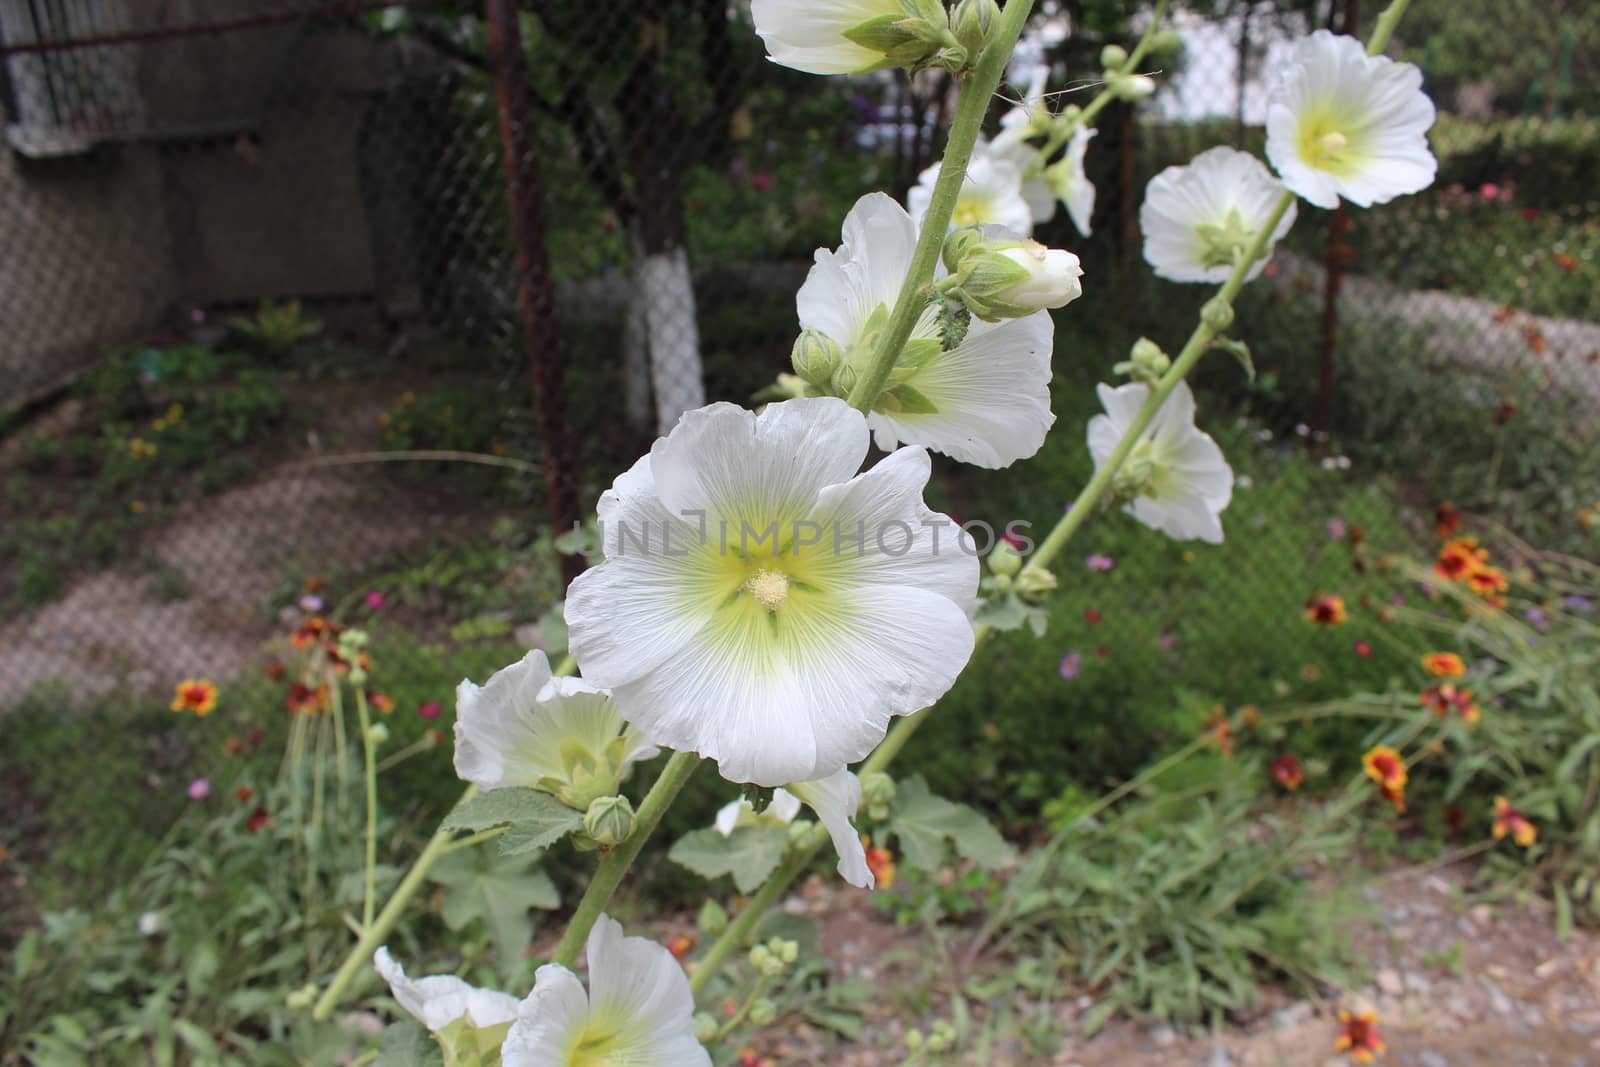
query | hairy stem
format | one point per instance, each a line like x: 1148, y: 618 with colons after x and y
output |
x: 369, y: 752
x: 617, y: 861
x: 979, y: 87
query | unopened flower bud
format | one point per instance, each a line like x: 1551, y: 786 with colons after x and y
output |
x: 1036, y: 583
x: 377, y: 734
x: 816, y: 357
x: 844, y: 379
x: 1005, y: 560
x: 302, y: 998
x: 1052, y: 280
x: 1113, y: 56
x: 762, y: 1011
x: 785, y: 950
x: 999, y: 275
x: 1146, y: 362
x: 877, y: 787
x: 705, y: 1027
x: 971, y: 21
x: 609, y: 820
x: 765, y: 963
x: 713, y: 919
x: 1135, y: 86
x: 1217, y: 314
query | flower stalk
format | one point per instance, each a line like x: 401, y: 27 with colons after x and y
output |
x: 369, y: 753
x: 964, y: 130
x: 617, y: 861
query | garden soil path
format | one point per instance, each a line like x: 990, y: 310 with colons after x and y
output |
x: 1455, y: 984
x: 200, y: 611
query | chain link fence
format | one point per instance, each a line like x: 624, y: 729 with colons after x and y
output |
x: 278, y: 335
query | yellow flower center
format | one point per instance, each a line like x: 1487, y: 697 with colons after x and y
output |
x: 770, y: 588
x: 1325, y: 141
x: 968, y: 212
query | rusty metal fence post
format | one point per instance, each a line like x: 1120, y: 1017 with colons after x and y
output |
x: 535, y: 293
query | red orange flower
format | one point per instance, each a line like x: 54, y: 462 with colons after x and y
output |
x: 880, y: 861
x: 1510, y: 821
x: 1386, y: 766
x: 1220, y: 730
x: 1446, y: 520
x: 680, y: 946
x: 1287, y: 772
x: 308, y: 632
x: 257, y: 821
x: 1326, y: 609
x: 1396, y: 796
x: 1489, y: 583
x: 1444, y: 665
x: 233, y: 746
x: 304, y: 699
x: 382, y: 701
x: 1459, y: 558
x: 1358, y: 1035
x: 198, y: 695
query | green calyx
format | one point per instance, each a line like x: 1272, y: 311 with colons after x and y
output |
x: 587, y: 775
x: 1139, y: 476
x: 1146, y: 362
x: 465, y: 1045
x: 1225, y: 243
x: 918, y: 36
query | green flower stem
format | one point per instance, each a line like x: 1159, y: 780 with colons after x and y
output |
x: 743, y: 924
x: 1199, y: 341
x: 374, y: 933
x: 617, y: 861
x: 1385, y: 27
x: 1092, y: 109
x: 975, y: 94
x: 369, y: 752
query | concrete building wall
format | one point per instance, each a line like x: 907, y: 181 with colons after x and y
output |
x: 243, y: 183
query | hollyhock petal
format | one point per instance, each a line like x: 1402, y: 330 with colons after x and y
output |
x: 439, y: 1000
x: 835, y: 799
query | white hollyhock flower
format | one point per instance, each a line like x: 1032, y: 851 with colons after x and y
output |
x: 991, y: 194
x: 1195, y: 217
x: 527, y: 728
x: 439, y: 1001
x: 809, y: 35
x: 637, y: 1012
x: 1343, y: 123
x: 1019, y: 124
x: 1069, y: 182
x: 835, y: 799
x: 762, y: 604
x: 1183, y: 480
x: 985, y: 402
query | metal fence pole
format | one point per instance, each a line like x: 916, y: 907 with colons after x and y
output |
x: 535, y: 294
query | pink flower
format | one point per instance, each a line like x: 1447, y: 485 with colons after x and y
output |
x: 1489, y: 191
x: 199, y: 789
x: 430, y: 710
x: 310, y: 604
x: 762, y: 182
x: 1166, y: 641
x: 1071, y: 664
x: 1363, y: 649
x: 1097, y: 562
x: 1336, y: 529
x: 376, y: 600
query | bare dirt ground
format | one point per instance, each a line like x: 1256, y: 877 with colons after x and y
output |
x: 119, y: 631
x: 1455, y: 984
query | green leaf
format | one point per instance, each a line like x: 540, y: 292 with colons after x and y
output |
x: 405, y: 1044
x: 1240, y: 352
x: 539, y: 819
x: 1003, y: 609
x: 923, y: 822
x: 750, y: 854
x: 480, y: 884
